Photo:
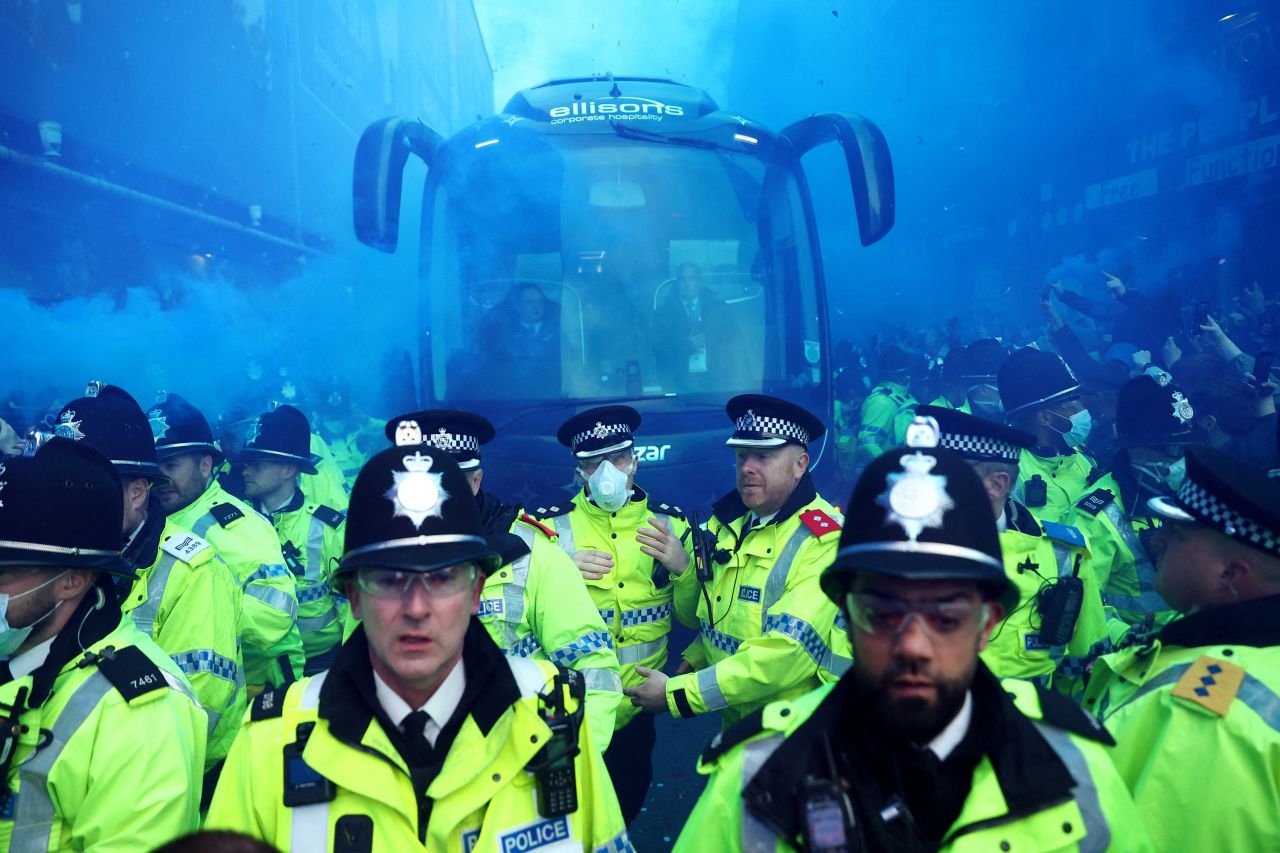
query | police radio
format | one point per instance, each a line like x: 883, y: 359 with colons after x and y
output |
x: 553, y: 766
x: 829, y: 825
x: 701, y: 555
x: 1059, y: 606
x: 292, y: 559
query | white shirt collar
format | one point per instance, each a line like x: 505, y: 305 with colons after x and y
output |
x: 134, y: 534
x: 439, y: 707
x: 1002, y: 523
x: 949, y: 738
x: 27, y: 662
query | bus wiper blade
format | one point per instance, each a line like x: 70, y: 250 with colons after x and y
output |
x: 629, y: 132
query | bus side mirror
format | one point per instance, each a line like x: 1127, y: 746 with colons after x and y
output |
x: 866, y: 153
x: 383, y: 150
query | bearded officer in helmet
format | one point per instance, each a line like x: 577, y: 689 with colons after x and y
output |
x: 1194, y: 707
x: 195, y: 500
x: 534, y: 605
x: 102, y: 742
x: 422, y: 736
x: 918, y: 747
x: 763, y: 618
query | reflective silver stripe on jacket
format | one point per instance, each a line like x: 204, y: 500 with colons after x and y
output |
x: 709, y: 689
x: 776, y: 583
x: 1066, y: 566
x: 564, y: 533
x: 309, y: 825
x: 756, y: 837
x: 144, y: 615
x: 315, y: 550
x: 833, y: 663
x: 638, y: 652
x: 513, y: 591
x: 602, y: 679
x: 34, y: 812
x: 276, y: 599
x: 1147, y: 600
x: 1097, y: 831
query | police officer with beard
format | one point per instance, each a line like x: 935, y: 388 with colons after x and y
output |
x: 918, y: 747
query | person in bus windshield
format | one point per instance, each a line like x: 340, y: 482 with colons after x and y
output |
x: 694, y: 335
x: 524, y: 328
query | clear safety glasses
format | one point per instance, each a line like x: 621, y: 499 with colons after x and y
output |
x: 884, y: 616
x: 393, y: 583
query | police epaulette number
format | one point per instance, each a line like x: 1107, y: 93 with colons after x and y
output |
x: 225, y: 514
x: 745, y: 729
x: 665, y: 509
x: 268, y: 704
x: 1096, y: 501
x: 329, y: 516
x: 130, y: 671
x: 550, y: 509
x: 1059, y: 711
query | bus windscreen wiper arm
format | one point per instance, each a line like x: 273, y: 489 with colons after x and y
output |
x: 626, y: 130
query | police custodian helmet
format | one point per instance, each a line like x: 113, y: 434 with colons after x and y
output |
x: 411, y: 509
x: 110, y: 421
x: 920, y: 513
x: 61, y: 508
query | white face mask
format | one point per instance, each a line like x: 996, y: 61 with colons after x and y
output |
x: 609, y: 485
x: 11, y: 639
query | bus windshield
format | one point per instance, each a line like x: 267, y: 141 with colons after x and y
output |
x: 598, y: 266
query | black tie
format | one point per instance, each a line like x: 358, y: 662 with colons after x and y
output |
x: 414, y: 727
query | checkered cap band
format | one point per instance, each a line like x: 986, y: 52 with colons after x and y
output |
x: 1206, y: 506
x: 770, y: 427
x: 980, y: 447
x: 602, y: 431
x: 450, y: 443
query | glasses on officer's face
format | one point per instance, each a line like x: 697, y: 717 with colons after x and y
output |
x: 886, y: 616
x: 391, y: 584
x: 620, y: 460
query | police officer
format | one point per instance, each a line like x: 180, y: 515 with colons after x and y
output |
x: 184, y: 596
x: 196, y: 501
x: 101, y: 740
x: 1059, y: 615
x: 422, y: 735
x: 1154, y: 427
x: 888, y: 407
x: 1194, y: 707
x: 763, y: 618
x: 1041, y: 396
x: 918, y: 746
x: 626, y: 545
x: 534, y: 605
x: 981, y: 365
x: 310, y: 533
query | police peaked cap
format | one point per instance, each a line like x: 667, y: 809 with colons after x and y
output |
x: 281, y: 435
x: 595, y: 432
x: 920, y: 513
x: 1148, y: 413
x: 1231, y: 497
x: 182, y: 429
x: 411, y: 509
x: 458, y: 433
x: 61, y: 508
x: 977, y: 439
x: 112, y: 423
x: 1032, y: 378
x: 763, y: 421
